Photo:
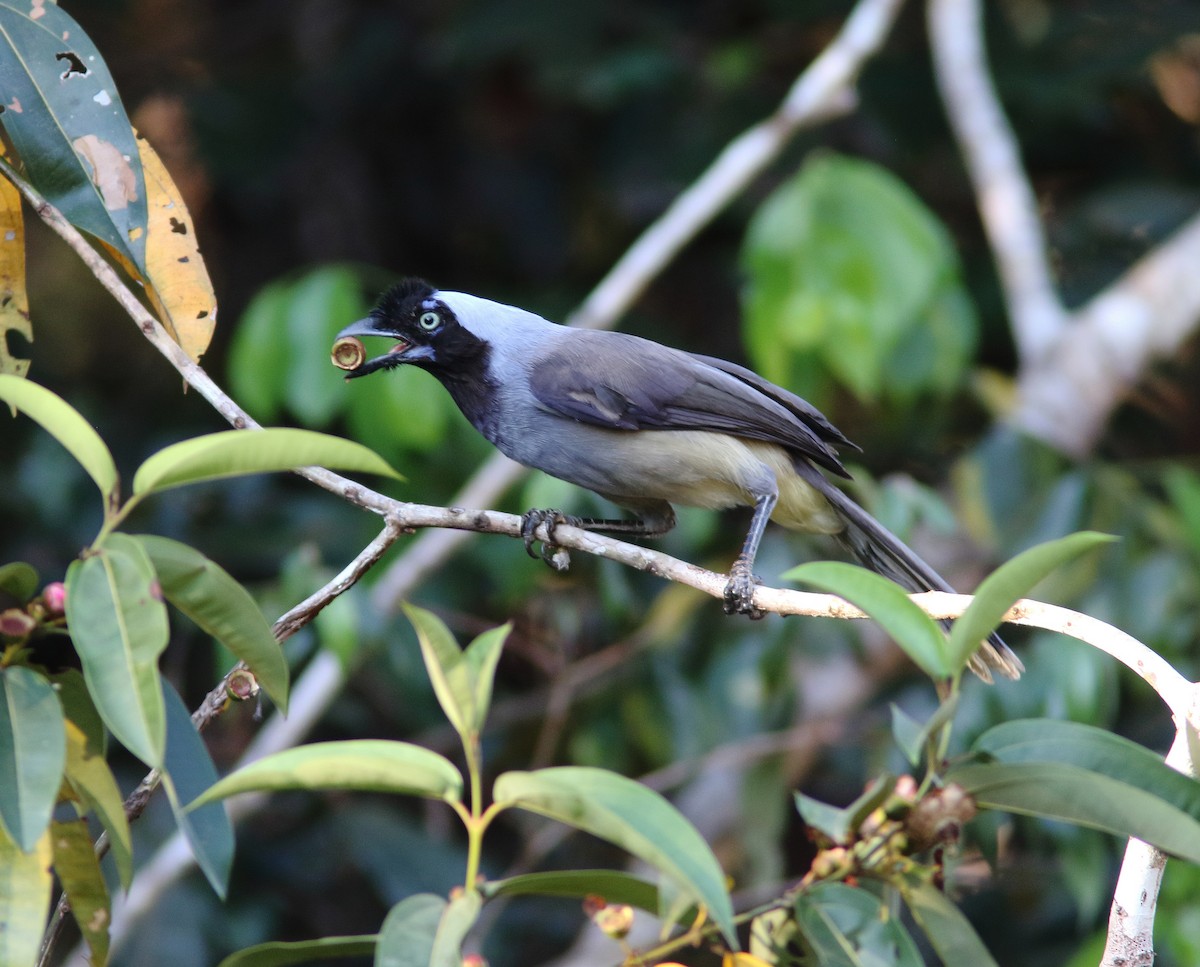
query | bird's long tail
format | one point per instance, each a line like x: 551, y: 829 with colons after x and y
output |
x: 883, y: 552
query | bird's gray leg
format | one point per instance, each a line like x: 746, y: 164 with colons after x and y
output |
x: 652, y: 523
x: 739, y: 592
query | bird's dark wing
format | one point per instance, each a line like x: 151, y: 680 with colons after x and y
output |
x: 804, y: 410
x: 622, y: 382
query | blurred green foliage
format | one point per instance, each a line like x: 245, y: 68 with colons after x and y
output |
x: 851, y: 281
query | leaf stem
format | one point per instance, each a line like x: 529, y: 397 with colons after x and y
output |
x: 476, y: 819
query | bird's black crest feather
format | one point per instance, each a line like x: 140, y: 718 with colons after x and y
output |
x: 402, y: 298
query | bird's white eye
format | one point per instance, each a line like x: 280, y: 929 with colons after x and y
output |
x: 429, y: 321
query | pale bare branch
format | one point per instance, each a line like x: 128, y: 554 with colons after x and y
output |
x: 1075, y: 367
x: 1130, y: 940
x: 1145, y: 316
x: 1006, y: 201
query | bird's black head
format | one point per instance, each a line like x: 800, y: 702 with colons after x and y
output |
x: 426, y: 331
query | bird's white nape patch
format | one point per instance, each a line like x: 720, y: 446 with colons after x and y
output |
x: 500, y: 325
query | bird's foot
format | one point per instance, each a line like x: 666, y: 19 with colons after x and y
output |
x: 739, y: 592
x: 550, y: 552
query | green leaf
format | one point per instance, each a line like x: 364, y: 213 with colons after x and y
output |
x: 911, y: 736
x: 208, y: 595
x: 845, y: 269
x: 407, y: 935
x: 280, y: 954
x: 633, y: 817
x: 72, y: 134
x: 1056, y: 790
x: 119, y: 625
x: 613, y: 885
x: 319, y: 304
x: 838, y: 824
x: 18, y: 580
x: 232, y: 453
x: 481, y: 655
x: 1094, y: 749
x: 849, y: 927
x: 78, y: 870
x: 1183, y: 487
x: 25, y: 881
x: 187, y: 772
x: 79, y: 709
x: 887, y: 603
x: 369, y: 765
x: 426, y: 931
x: 448, y: 670
x: 33, y: 753
x: 1009, y: 583
x: 92, y: 780
x: 460, y: 916
x: 462, y: 680
x: 260, y: 354
x: 950, y: 933
x: 398, y: 414
x: 63, y: 423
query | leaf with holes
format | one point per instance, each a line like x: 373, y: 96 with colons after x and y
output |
x: 180, y: 289
x: 14, y: 300
x: 68, y: 126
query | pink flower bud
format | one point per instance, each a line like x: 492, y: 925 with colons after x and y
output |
x: 54, y: 597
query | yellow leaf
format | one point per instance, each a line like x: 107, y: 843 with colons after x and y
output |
x: 14, y: 303
x: 740, y: 959
x: 179, y: 289
x: 25, y: 882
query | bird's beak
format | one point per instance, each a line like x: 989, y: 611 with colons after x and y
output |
x: 402, y: 352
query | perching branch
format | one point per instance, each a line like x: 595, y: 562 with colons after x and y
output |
x: 823, y: 90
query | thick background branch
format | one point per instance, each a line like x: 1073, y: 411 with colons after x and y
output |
x: 1076, y: 367
x: 1005, y: 198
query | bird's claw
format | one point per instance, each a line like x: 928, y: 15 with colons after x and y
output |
x: 550, y: 552
x: 739, y: 591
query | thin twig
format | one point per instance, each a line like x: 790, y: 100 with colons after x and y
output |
x: 214, y: 703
